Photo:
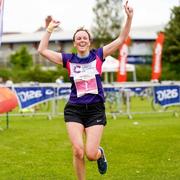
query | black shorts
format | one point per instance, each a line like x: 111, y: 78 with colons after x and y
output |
x: 86, y: 114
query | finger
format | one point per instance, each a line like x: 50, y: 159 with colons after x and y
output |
x: 126, y: 3
x: 126, y: 8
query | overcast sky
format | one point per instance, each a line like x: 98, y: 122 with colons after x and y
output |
x: 29, y: 15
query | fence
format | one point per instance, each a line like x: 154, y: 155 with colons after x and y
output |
x: 121, y: 98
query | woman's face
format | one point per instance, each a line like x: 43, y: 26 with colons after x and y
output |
x: 82, y: 42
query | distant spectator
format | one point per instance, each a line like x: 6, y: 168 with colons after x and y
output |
x: 60, y: 80
x: 9, y: 82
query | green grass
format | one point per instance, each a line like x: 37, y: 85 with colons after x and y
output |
x: 35, y: 148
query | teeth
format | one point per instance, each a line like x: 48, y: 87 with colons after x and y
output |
x: 82, y: 44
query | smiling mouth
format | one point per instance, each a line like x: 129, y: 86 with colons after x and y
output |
x: 82, y: 44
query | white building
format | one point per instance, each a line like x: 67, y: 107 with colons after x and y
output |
x: 140, y: 50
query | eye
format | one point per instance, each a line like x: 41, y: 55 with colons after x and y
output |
x: 78, y: 38
x: 85, y: 38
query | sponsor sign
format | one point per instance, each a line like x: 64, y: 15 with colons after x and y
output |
x: 123, y: 53
x: 29, y: 96
x: 157, y: 56
x: 167, y: 95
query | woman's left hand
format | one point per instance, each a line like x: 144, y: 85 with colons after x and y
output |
x: 128, y: 10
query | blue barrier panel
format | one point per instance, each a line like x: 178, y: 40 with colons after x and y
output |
x: 167, y: 95
x: 138, y: 90
x: 29, y: 96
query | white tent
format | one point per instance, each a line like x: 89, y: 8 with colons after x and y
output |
x: 111, y: 64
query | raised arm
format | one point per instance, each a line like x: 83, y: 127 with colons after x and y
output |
x: 53, y: 56
x: 114, y: 45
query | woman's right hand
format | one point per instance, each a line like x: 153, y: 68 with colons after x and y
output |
x: 52, y: 25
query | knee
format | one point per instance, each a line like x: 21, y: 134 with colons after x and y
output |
x: 91, y: 154
x: 78, y: 152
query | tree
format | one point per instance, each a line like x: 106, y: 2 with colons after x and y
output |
x: 107, y: 23
x: 171, y: 50
x: 21, y: 59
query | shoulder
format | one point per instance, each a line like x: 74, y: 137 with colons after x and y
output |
x: 98, y: 52
x: 95, y: 51
x: 68, y: 56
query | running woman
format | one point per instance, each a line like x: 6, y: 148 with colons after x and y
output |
x: 84, y: 112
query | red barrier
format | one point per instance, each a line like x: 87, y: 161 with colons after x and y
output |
x: 8, y: 100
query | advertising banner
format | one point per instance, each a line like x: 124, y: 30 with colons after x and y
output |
x: 123, y: 53
x: 157, y: 55
x: 29, y: 96
x: 63, y: 92
x: 138, y: 90
x: 167, y: 95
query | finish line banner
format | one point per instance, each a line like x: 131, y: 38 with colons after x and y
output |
x: 167, y: 95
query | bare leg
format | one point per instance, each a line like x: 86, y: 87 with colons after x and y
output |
x: 93, y: 138
x: 75, y: 131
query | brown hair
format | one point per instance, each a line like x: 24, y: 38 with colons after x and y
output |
x: 82, y: 29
